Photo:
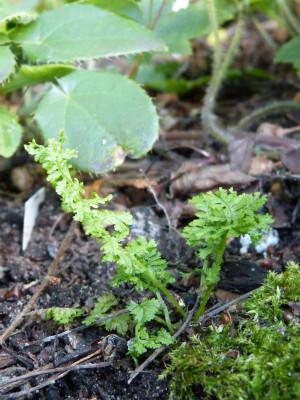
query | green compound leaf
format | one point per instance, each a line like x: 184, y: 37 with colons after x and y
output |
x: 63, y: 315
x: 104, y: 116
x: 28, y: 75
x: 10, y: 132
x: 7, y: 63
x: 290, y: 53
x: 77, y: 32
x: 145, y: 311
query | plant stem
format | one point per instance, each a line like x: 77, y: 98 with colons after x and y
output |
x: 210, y: 287
x: 158, y: 14
x: 289, y: 17
x: 219, y: 71
x: 165, y: 291
x: 210, y: 95
x: 150, y: 13
x: 267, y: 38
x: 201, y: 308
x: 168, y: 322
x: 275, y: 107
x: 137, y: 64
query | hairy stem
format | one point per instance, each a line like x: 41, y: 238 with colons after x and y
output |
x: 264, y: 34
x: 273, y: 108
x: 219, y: 71
x: 292, y: 22
x: 211, y: 91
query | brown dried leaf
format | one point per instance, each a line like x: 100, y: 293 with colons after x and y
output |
x: 261, y: 165
x: 291, y: 160
x: 240, y: 154
x: 207, y: 178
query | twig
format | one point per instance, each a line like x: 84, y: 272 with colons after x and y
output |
x: 65, y: 244
x: 224, y: 307
x: 157, y: 352
x: 60, y: 371
x: 78, y: 329
x: 157, y: 201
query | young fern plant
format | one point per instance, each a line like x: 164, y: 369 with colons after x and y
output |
x: 222, y: 215
x: 138, y: 262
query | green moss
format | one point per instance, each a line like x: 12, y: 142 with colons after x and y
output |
x: 268, y: 362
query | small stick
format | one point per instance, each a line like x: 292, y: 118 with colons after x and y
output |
x: 78, y: 329
x: 157, y: 352
x: 61, y: 371
x: 224, y: 307
x: 65, y: 244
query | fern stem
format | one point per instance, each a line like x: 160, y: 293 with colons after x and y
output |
x: 166, y: 313
x: 211, y: 286
x: 165, y: 291
x: 275, y: 107
x: 201, y: 308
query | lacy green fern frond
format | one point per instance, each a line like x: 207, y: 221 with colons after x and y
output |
x: 102, y: 308
x: 63, y: 315
x: 138, y: 262
x: 222, y: 215
x: 225, y: 214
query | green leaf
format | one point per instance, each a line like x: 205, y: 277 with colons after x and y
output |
x: 28, y: 75
x: 290, y: 53
x: 7, y: 63
x: 119, y: 324
x: 22, y: 17
x: 126, y: 8
x: 156, y: 4
x: 144, y: 312
x: 63, y: 315
x: 10, y: 132
x: 103, y: 304
x: 176, y: 28
x: 3, y: 38
x: 76, y: 32
x: 104, y: 116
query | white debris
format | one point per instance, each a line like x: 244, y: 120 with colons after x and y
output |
x: 271, y: 238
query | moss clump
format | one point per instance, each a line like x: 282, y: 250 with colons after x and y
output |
x: 262, y: 359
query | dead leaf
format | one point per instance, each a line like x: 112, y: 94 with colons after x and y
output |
x: 291, y: 160
x: 208, y: 177
x: 262, y: 165
x: 103, y: 187
x: 240, y: 154
x: 268, y: 129
x: 296, y: 308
